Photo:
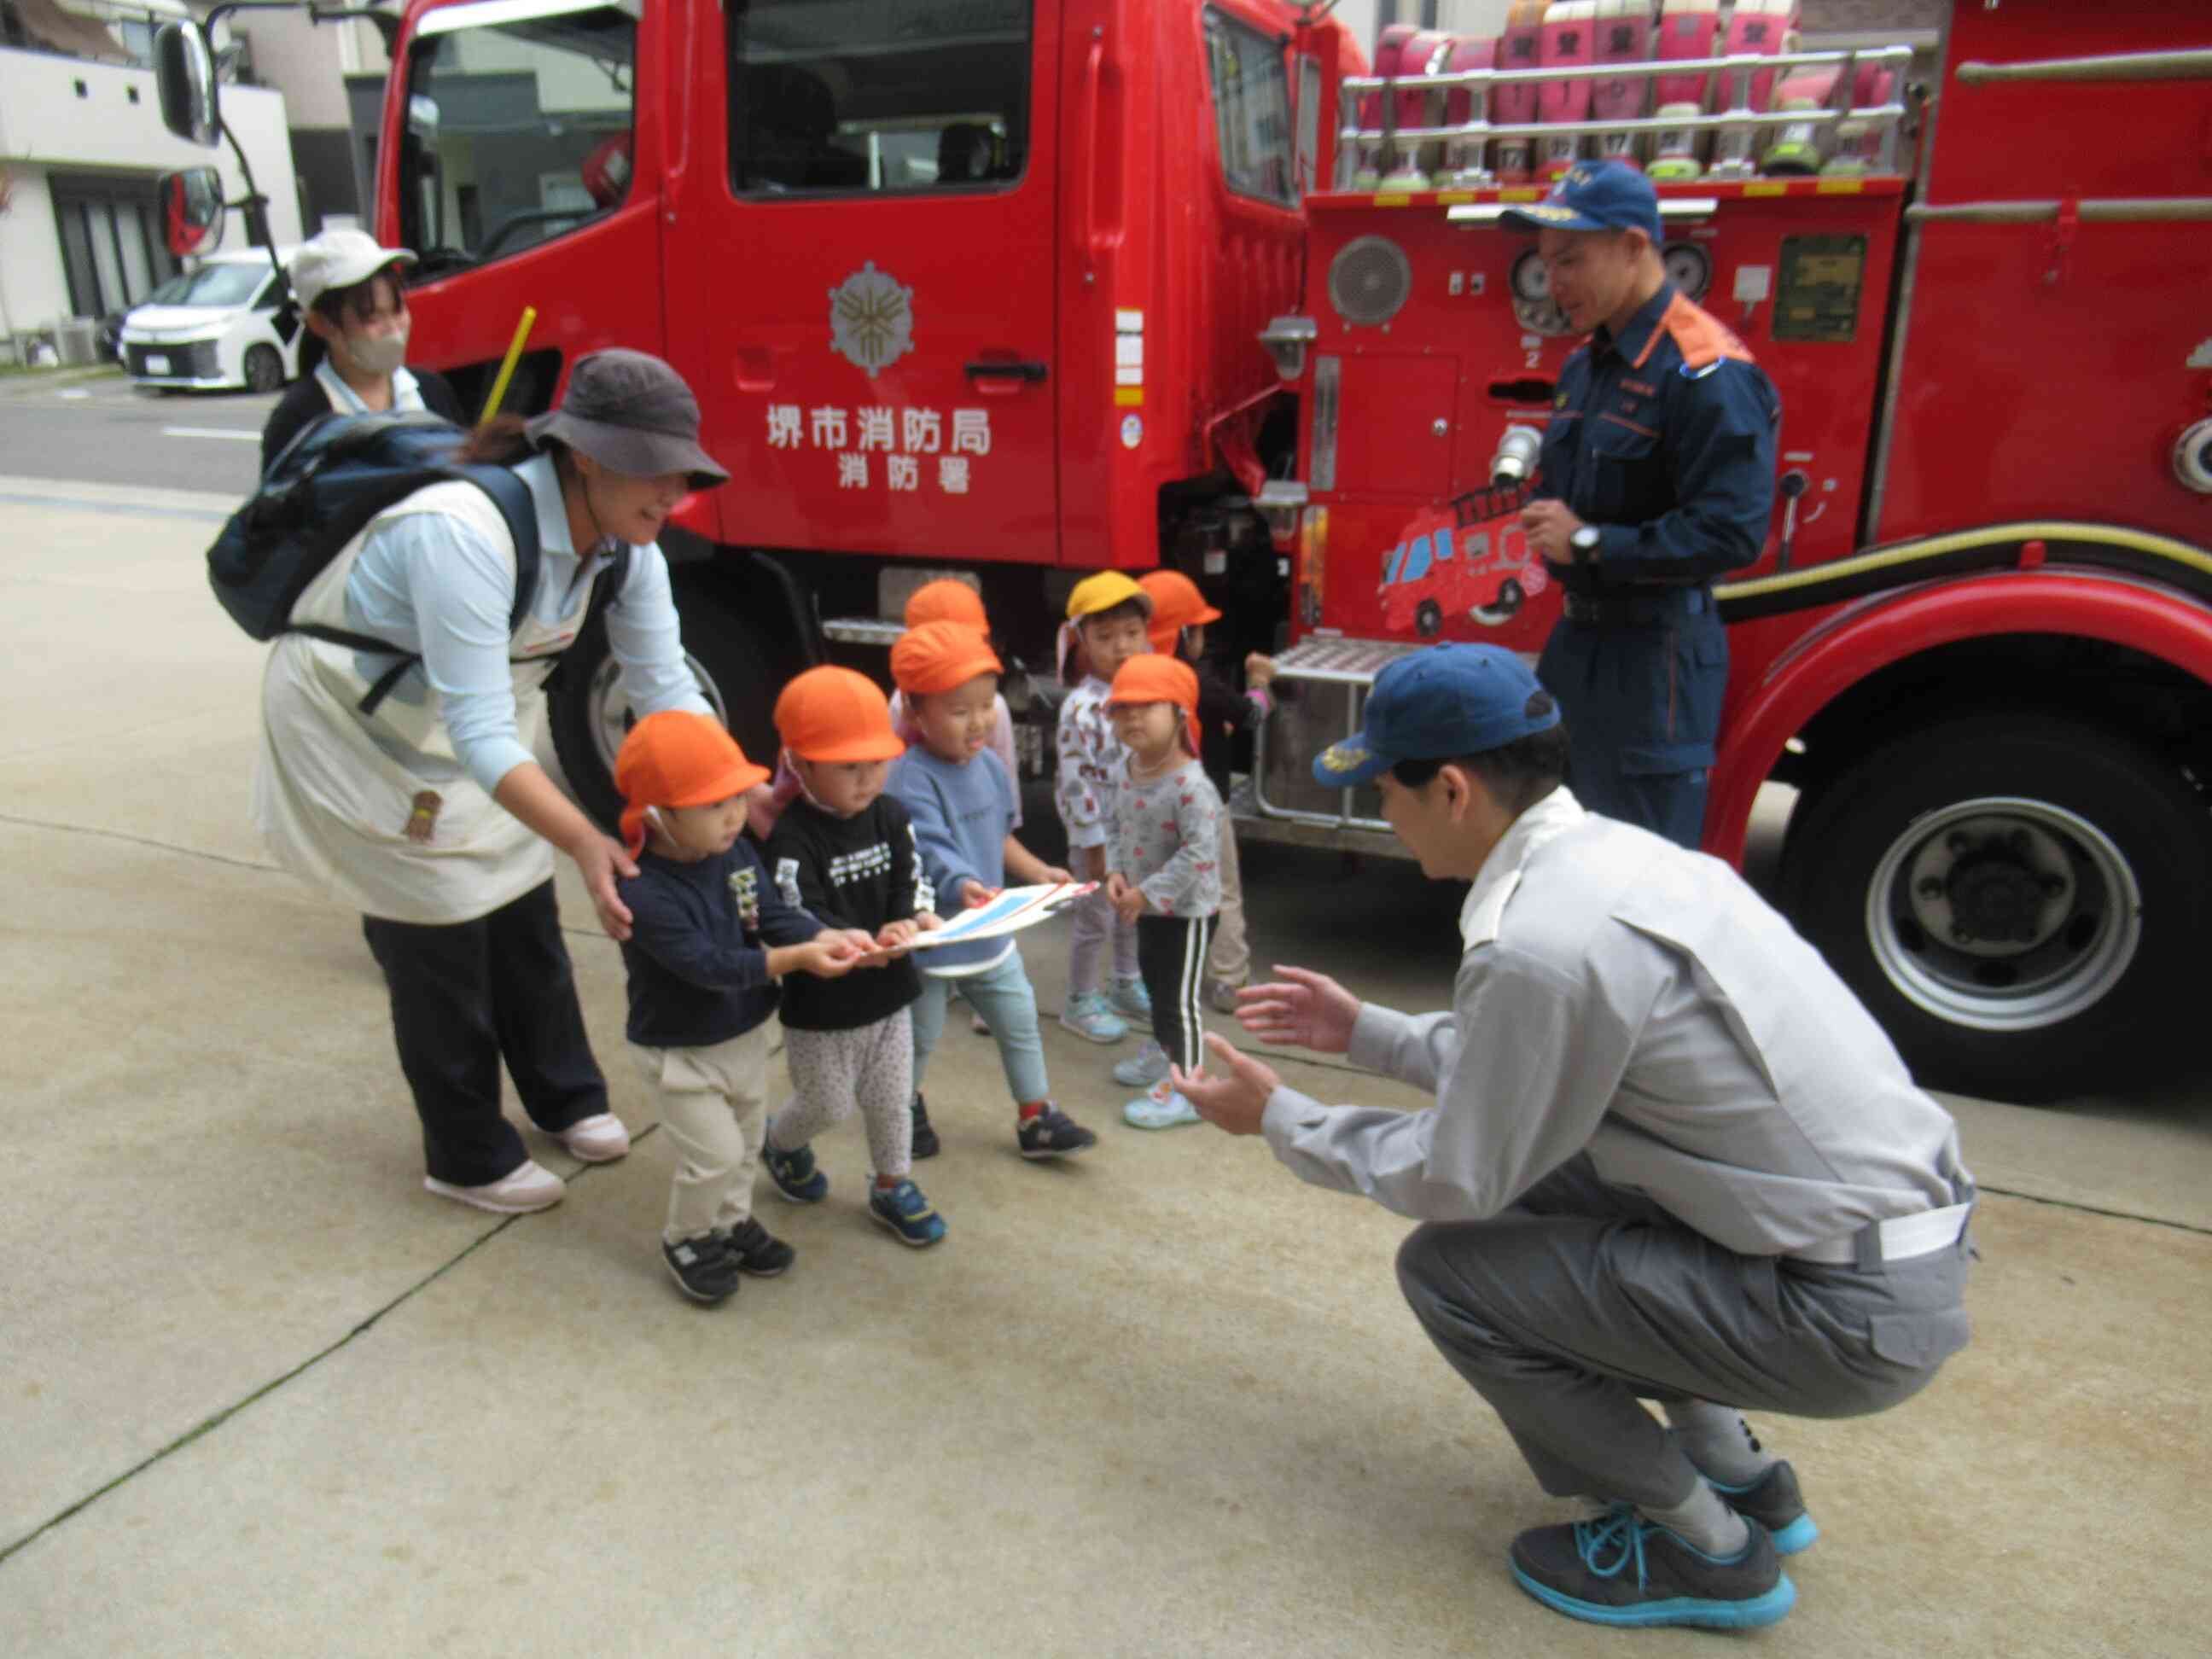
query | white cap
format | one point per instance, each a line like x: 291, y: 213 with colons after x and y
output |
x: 340, y: 258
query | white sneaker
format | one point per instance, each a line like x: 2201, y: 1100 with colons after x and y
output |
x: 598, y: 1139
x: 532, y: 1186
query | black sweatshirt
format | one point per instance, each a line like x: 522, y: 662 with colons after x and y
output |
x: 1223, y: 714
x: 697, y: 951
x: 306, y: 402
x: 852, y: 872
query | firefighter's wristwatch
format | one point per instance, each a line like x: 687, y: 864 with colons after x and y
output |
x: 1583, y: 544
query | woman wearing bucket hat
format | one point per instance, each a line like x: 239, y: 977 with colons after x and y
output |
x: 348, y: 286
x: 428, y: 814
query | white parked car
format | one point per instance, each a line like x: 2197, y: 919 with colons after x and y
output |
x: 224, y: 324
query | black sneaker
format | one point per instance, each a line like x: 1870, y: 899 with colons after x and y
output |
x: 756, y: 1252
x: 795, y: 1176
x: 1622, y: 1568
x: 1774, y: 1502
x: 1053, y: 1134
x: 703, y: 1267
x: 925, y: 1138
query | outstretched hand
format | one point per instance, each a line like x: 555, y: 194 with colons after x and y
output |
x: 1302, y: 1008
x: 1234, y: 1098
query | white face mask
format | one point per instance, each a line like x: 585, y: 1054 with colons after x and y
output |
x: 378, y: 354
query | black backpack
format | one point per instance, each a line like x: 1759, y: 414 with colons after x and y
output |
x: 322, y: 490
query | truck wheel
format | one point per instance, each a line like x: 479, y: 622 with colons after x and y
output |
x: 1429, y: 620
x: 2015, y: 898
x: 737, y: 673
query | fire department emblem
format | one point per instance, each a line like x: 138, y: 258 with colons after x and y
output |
x: 870, y: 319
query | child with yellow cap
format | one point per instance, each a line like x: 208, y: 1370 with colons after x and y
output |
x: 843, y: 850
x: 1180, y: 616
x: 708, y: 941
x: 1165, y: 863
x: 962, y: 801
x: 1107, y: 617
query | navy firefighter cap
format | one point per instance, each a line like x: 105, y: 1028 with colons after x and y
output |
x: 1592, y: 196
x: 1438, y: 704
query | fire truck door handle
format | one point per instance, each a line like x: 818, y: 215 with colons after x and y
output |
x: 1001, y: 369
x: 1094, y: 63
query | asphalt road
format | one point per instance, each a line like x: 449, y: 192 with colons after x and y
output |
x: 109, y: 431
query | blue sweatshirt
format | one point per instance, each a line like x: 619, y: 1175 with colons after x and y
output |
x: 962, y: 816
x: 697, y: 951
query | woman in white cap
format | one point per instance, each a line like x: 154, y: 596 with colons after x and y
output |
x: 348, y: 287
x: 426, y: 811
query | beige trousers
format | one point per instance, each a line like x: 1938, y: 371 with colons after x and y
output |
x: 1229, y: 960
x: 714, y: 1106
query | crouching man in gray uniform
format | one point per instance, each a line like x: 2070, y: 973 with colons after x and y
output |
x: 1671, y: 1158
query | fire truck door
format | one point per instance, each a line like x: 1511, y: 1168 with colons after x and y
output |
x: 874, y: 285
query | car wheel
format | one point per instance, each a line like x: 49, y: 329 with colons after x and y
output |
x: 1429, y: 620
x: 264, y: 368
x: 2017, y: 898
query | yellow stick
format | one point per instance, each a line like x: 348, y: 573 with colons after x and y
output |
x: 507, y: 369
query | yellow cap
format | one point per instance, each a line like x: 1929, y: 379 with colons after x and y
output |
x: 1103, y: 593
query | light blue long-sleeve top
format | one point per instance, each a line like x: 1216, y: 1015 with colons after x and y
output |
x: 436, y: 587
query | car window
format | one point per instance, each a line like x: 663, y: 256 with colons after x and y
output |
x: 1251, y: 108
x: 1444, y: 544
x: 229, y: 284
x: 1390, y: 563
x: 854, y: 99
x: 1417, y: 559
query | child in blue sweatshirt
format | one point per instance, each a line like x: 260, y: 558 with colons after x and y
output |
x: 709, y: 939
x: 961, y: 800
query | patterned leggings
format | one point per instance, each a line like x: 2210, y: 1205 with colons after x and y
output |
x: 832, y: 1072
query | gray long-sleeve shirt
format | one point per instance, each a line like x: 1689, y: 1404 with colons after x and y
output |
x: 1620, y: 996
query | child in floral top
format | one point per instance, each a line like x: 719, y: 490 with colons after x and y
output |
x: 1165, y: 862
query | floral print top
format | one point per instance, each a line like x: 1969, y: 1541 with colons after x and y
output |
x: 1090, y: 759
x: 1167, y: 840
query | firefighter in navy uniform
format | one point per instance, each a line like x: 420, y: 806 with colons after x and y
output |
x: 1656, y: 475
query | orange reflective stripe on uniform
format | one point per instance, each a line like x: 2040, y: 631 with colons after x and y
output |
x: 1701, y: 338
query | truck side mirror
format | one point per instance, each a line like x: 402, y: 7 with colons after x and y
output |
x: 191, y: 210
x: 183, y: 75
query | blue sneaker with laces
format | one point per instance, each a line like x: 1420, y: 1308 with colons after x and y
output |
x: 1623, y: 1569
x: 907, y: 1212
x: 1132, y: 1000
x: 1091, y: 1017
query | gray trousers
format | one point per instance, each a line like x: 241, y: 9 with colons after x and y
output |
x: 1583, y: 1300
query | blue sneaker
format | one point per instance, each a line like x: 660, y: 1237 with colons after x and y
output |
x: 907, y: 1212
x: 1623, y: 1569
x: 1132, y: 1000
x: 1148, y: 1066
x: 1159, y: 1107
x: 1091, y: 1017
x: 1774, y: 1502
x: 795, y: 1176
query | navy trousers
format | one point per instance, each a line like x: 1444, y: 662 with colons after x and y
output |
x: 1642, y: 705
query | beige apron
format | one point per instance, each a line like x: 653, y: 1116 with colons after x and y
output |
x: 335, y: 792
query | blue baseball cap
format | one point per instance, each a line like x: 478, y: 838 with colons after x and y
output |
x: 1438, y: 704
x: 1592, y: 196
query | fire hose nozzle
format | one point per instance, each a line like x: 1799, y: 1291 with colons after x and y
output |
x: 1515, y: 463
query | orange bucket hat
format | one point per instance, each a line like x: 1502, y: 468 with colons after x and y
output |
x: 1157, y: 678
x: 677, y: 758
x: 940, y: 655
x: 947, y: 601
x: 1177, y: 605
x: 836, y: 714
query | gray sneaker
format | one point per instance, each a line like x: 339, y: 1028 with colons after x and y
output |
x: 1148, y: 1066
x: 1623, y: 1569
x: 1093, y: 1017
x: 1774, y: 1502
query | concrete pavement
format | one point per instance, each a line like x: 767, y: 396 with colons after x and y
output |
x: 260, y: 1394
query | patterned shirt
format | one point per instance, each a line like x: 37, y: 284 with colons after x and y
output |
x: 1167, y: 840
x: 1090, y: 759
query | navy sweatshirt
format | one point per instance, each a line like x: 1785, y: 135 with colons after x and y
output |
x: 697, y: 953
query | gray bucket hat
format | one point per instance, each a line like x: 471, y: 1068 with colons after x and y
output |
x: 632, y: 414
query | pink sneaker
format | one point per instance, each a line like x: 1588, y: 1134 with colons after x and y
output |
x: 598, y: 1139
x: 531, y: 1187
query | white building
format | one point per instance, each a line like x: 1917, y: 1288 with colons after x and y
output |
x: 81, y: 145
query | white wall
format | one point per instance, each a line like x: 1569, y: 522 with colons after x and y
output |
x: 44, y: 126
x: 300, y: 58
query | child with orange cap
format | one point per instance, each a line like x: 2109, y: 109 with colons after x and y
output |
x: 1107, y: 617
x: 709, y: 940
x: 844, y: 851
x: 1165, y: 864
x: 962, y: 801
x: 1180, y: 614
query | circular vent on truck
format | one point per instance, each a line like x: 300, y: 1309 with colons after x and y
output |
x: 1368, y: 281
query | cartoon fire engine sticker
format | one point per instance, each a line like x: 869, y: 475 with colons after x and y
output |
x: 1464, y: 562
x: 871, y: 320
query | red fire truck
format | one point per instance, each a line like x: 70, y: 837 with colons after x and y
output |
x: 1023, y: 289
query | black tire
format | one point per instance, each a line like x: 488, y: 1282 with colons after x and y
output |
x: 2006, y: 959
x: 737, y: 671
x: 264, y: 368
x: 1429, y: 620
